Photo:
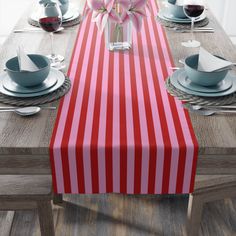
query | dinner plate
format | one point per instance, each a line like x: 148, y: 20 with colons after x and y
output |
x: 187, y: 83
x: 71, y: 14
x: 174, y: 81
x: 11, y: 86
x: 54, y: 73
x: 165, y: 15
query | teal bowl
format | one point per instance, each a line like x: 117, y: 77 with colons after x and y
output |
x: 176, y: 10
x: 201, y: 77
x: 28, y: 78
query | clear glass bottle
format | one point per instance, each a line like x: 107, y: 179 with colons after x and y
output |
x: 118, y: 36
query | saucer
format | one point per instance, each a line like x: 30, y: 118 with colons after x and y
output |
x: 165, y: 15
x: 11, y: 86
x: 174, y: 81
x: 187, y: 83
x: 53, y: 73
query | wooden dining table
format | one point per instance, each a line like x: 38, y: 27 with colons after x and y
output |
x: 24, y: 142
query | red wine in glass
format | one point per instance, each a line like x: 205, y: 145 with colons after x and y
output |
x: 50, y: 24
x: 193, y: 10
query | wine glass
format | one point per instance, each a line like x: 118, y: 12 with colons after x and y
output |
x: 193, y: 9
x: 50, y: 20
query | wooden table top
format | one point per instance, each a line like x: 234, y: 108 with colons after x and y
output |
x: 24, y: 142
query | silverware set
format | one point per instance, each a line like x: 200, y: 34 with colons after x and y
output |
x: 210, y: 110
x: 196, y: 30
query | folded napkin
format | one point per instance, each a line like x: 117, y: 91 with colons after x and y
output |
x: 25, y: 63
x: 209, y: 63
x: 172, y: 1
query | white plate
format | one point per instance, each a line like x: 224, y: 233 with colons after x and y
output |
x: 165, y: 15
x: 187, y: 83
x: 11, y: 86
x: 71, y: 14
x: 174, y: 81
x: 55, y: 73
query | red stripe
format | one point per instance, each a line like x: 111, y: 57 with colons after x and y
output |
x: 148, y: 110
x: 123, y: 128
x: 136, y: 124
x: 109, y: 128
x: 57, y: 121
x: 96, y: 120
x: 163, y: 121
x: 69, y: 119
x: 83, y: 114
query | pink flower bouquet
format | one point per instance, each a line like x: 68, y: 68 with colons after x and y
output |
x: 117, y: 17
x: 119, y: 11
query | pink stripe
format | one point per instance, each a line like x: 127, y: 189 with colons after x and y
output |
x: 116, y: 126
x: 102, y: 126
x: 169, y: 116
x: 129, y: 124
x: 77, y: 108
x: 61, y: 124
x: 155, y: 112
x: 89, y: 119
x: 58, y: 170
x: 159, y: 171
x: 183, y: 121
x: 188, y: 169
x: 143, y: 120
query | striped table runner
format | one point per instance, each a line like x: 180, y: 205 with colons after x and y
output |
x: 118, y: 130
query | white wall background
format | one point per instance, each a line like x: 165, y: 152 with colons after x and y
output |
x: 11, y: 10
x: 224, y: 10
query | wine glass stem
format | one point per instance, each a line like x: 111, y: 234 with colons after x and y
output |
x: 52, y: 46
x: 192, y: 28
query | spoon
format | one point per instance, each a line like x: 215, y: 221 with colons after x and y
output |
x: 24, y: 111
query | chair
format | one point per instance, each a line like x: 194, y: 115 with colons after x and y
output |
x: 23, y: 192
x: 207, y: 188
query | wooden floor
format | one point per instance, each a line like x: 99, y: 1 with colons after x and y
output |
x: 118, y: 215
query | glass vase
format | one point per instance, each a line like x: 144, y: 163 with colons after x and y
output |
x: 118, y: 36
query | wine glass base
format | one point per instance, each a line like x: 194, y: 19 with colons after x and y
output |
x: 55, y: 58
x: 191, y: 44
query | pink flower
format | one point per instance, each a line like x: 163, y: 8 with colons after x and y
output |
x: 102, y: 11
x: 134, y: 11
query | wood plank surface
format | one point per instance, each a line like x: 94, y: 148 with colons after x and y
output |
x: 27, y: 139
x: 25, y: 187
x: 120, y: 215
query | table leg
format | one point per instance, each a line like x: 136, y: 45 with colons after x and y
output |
x: 195, y: 206
x: 45, y: 218
x: 57, y: 198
